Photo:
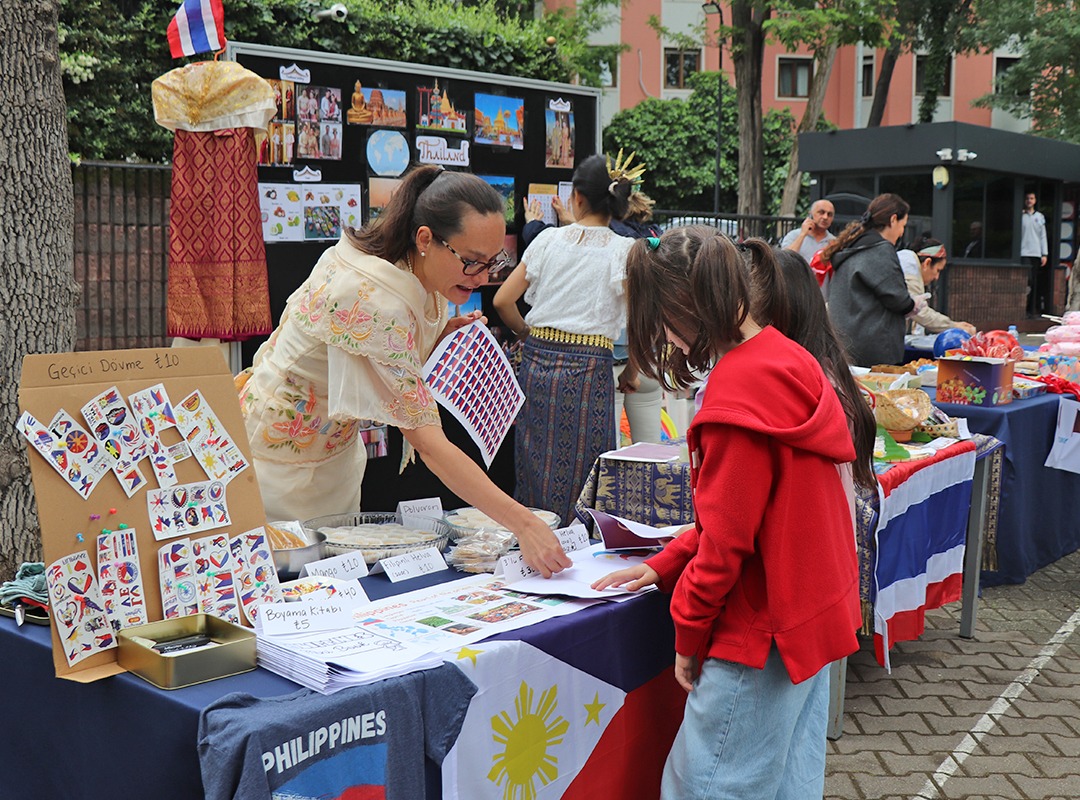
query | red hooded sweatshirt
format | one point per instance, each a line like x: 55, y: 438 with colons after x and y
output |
x: 771, y: 557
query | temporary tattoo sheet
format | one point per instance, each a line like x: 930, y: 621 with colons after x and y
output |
x: 118, y: 432
x: 470, y: 376
x: 155, y: 414
x: 59, y: 453
x: 187, y: 508
x: 214, y: 581
x: 176, y: 575
x: 208, y: 439
x: 77, y: 608
x: 120, y: 578
x: 80, y: 445
x: 254, y: 571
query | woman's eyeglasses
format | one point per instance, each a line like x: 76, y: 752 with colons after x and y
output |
x: 473, y: 267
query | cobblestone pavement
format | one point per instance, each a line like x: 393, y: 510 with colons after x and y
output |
x: 993, y: 717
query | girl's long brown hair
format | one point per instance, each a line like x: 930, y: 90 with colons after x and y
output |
x: 877, y: 216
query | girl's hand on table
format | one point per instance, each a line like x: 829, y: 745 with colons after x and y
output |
x: 631, y: 578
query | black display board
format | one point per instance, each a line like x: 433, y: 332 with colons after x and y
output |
x: 388, y: 88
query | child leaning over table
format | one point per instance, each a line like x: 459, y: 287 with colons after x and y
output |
x: 765, y: 587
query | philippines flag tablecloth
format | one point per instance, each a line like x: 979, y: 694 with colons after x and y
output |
x: 920, y: 539
x: 568, y: 714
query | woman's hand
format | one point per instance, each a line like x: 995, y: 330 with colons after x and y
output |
x: 533, y: 210
x: 686, y: 671
x: 629, y: 380
x: 562, y: 213
x: 631, y: 578
x: 456, y: 323
x: 539, y: 547
x: 966, y: 327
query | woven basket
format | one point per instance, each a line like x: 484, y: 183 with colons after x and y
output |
x: 890, y: 407
x: 936, y: 430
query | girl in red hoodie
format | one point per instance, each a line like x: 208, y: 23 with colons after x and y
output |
x: 765, y: 587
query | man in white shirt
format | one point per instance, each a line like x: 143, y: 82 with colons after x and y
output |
x: 812, y: 235
x: 1033, y: 252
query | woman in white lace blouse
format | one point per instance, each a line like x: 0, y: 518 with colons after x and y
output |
x: 572, y: 277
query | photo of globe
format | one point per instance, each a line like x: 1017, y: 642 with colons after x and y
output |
x: 387, y: 153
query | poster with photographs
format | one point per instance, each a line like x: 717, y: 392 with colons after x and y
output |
x: 328, y: 208
x: 380, y: 190
x: 559, y: 134
x: 319, y: 121
x: 438, y: 112
x: 382, y: 107
x: 276, y: 146
x: 504, y: 185
x: 295, y: 212
x: 500, y: 121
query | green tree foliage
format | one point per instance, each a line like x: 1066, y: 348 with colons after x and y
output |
x: 111, y: 51
x: 1045, y: 82
x: 676, y: 140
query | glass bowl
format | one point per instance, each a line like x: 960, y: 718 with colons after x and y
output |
x: 464, y: 521
x: 376, y: 534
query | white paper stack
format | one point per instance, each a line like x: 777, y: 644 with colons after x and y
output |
x: 328, y: 661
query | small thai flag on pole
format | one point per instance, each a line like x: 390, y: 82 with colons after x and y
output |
x: 198, y: 27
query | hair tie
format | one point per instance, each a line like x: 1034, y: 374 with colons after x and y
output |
x: 865, y: 218
x: 612, y: 187
x: 934, y: 252
x: 652, y: 242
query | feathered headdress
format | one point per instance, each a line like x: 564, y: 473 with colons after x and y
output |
x: 622, y: 169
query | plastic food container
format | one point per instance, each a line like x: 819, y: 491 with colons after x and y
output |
x: 468, y: 520
x: 377, y: 535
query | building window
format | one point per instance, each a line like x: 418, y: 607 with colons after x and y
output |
x: 793, y: 77
x: 1003, y: 64
x: 679, y: 65
x: 867, y: 82
x: 920, y: 72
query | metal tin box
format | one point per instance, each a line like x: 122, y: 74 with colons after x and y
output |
x: 234, y: 652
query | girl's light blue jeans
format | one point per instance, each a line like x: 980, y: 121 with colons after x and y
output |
x: 750, y: 733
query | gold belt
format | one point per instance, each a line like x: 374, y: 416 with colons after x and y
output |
x: 588, y: 339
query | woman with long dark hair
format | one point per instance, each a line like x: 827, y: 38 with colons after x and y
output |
x: 351, y: 346
x: 572, y: 277
x: 868, y: 299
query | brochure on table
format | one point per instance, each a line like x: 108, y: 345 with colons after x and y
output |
x: 102, y: 535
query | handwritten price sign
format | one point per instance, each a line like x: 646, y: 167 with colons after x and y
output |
x: 411, y: 565
x: 346, y: 566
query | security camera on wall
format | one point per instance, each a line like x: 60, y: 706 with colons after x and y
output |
x: 337, y: 12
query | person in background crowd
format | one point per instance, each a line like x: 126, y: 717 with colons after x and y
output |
x: 572, y: 277
x: 755, y: 628
x: 922, y: 266
x: 351, y: 346
x: 813, y: 234
x: 868, y: 299
x: 974, y: 247
x: 1033, y: 250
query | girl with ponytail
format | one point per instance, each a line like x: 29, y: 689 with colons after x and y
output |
x: 351, y: 346
x: 765, y: 585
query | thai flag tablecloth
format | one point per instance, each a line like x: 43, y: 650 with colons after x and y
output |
x: 920, y: 542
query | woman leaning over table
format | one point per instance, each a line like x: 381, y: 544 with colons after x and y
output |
x: 351, y: 346
x: 572, y: 277
x: 922, y: 266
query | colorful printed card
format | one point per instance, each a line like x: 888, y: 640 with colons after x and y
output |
x: 208, y: 439
x: 116, y: 428
x: 176, y: 574
x: 120, y: 578
x: 254, y: 571
x: 77, y: 608
x: 57, y: 451
x: 214, y: 581
x: 470, y: 376
x: 155, y: 414
x: 187, y: 508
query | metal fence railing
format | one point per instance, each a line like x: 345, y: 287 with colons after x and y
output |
x: 121, y: 254
x: 738, y: 226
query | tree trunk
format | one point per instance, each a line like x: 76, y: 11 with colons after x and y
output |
x: 823, y: 64
x: 748, y: 52
x: 881, y: 87
x: 36, y: 242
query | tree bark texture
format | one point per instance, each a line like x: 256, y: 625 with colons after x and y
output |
x: 881, y: 86
x: 36, y: 224
x: 747, y: 53
x: 823, y: 64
